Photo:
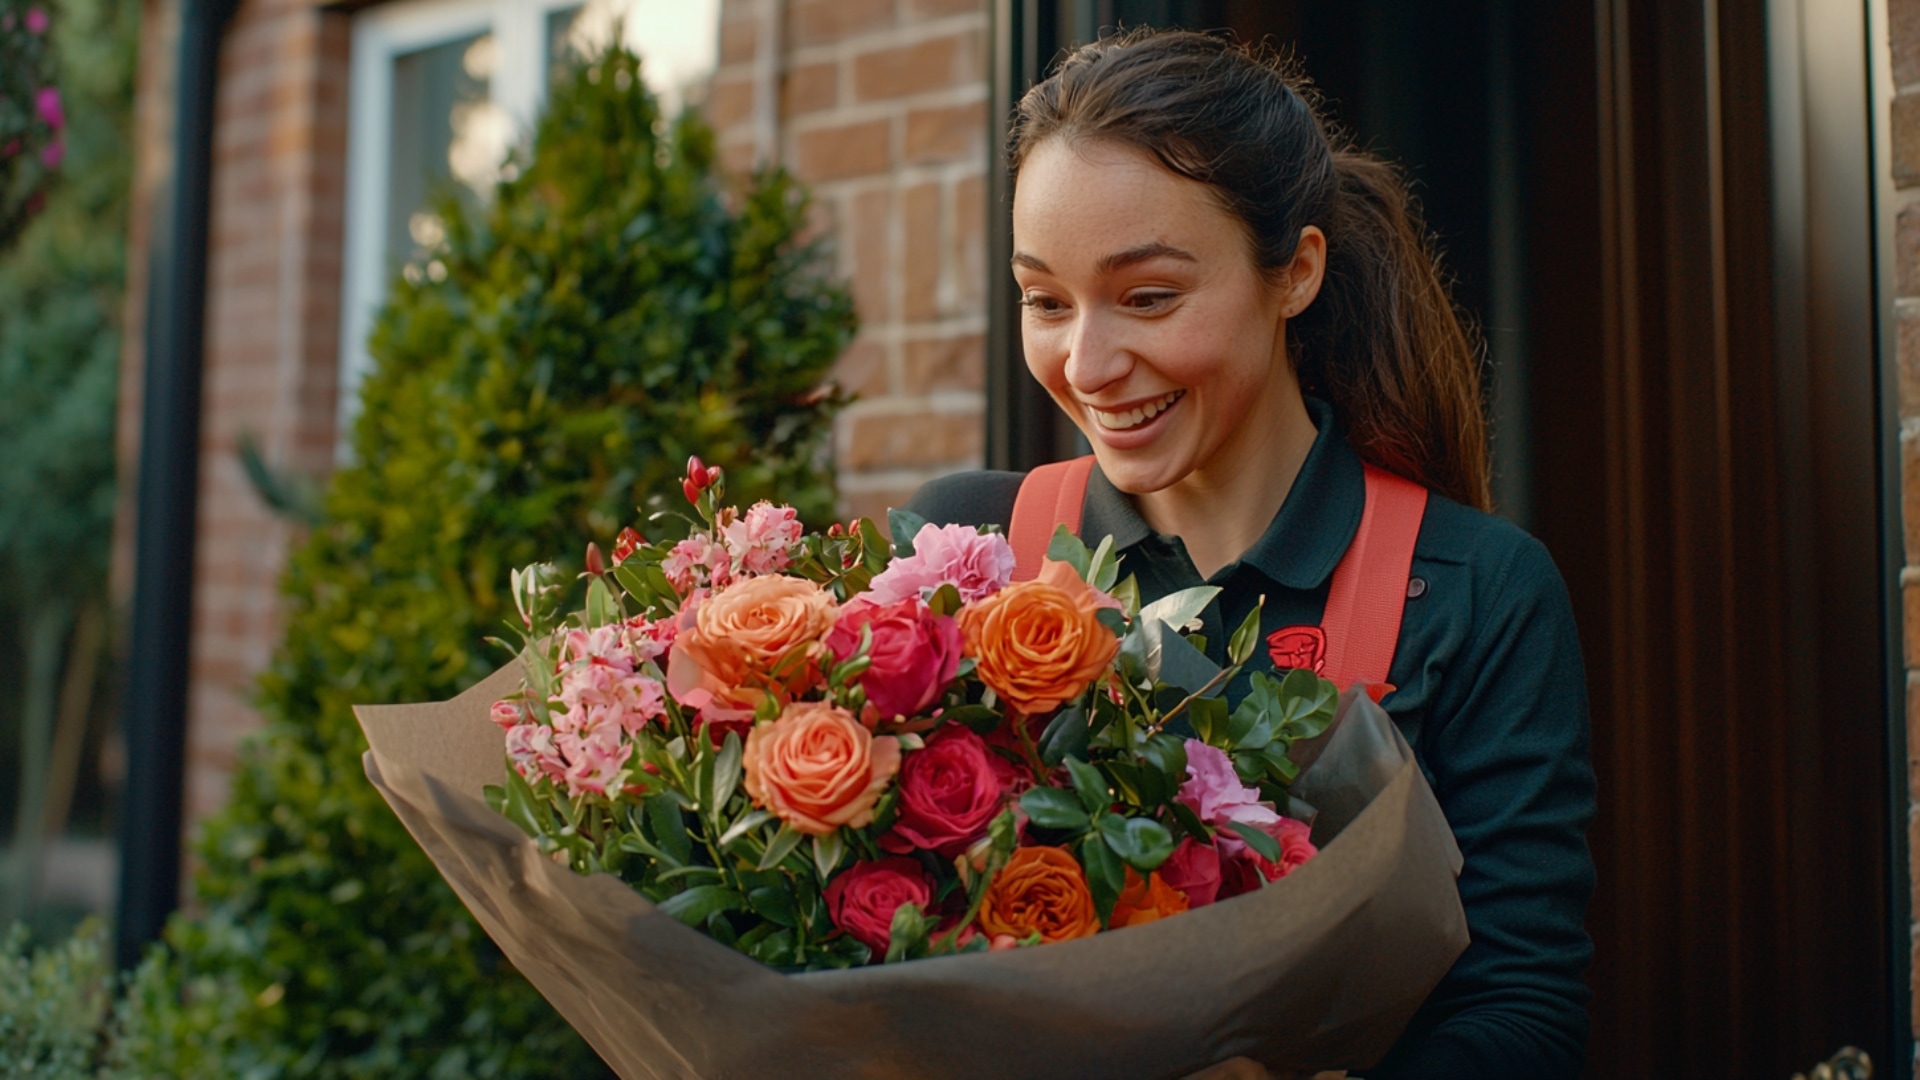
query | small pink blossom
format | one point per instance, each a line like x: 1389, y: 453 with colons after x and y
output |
x: 599, y: 688
x: 531, y: 749
x: 595, y: 760
x: 649, y: 640
x: 760, y: 541
x: 46, y: 101
x: 1214, y: 793
x: 686, y: 565
x: 52, y: 154
x: 36, y: 21
x: 976, y: 564
x: 509, y: 714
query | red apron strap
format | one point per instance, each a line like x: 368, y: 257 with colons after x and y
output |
x: 1369, y: 592
x: 1051, y: 495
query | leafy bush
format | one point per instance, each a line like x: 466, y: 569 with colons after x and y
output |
x: 545, y: 370
x: 59, y: 1018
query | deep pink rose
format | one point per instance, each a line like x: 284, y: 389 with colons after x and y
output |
x: 46, y: 101
x: 1194, y: 869
x: 976, y: 564
x: 863, y: 899
x: 949, y: 792
x: 1296, y: 847
x: 1239, y: 874
x: 914, y: 655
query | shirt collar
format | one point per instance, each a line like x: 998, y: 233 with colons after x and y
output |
x: 1305, y: 540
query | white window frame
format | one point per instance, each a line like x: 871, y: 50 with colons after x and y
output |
x: 517, y: 85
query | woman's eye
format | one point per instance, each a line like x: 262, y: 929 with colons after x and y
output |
x: 1148, y: 301
x: 1041, y: 305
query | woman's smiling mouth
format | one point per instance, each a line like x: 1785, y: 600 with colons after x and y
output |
x: 1124, y: 419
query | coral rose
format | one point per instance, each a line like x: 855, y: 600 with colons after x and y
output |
x: 914, y: 655
x: 1043, y: 890
x: 1146, y: 899
x: 949, y: 793
x: 722, y: 659
x: 1039, y: 642
x: 862, y: 900
x: 817, y: 768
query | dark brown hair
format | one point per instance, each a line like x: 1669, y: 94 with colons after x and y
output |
x: 1382, y: 342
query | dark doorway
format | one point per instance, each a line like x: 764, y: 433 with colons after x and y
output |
x: 1677, y: 296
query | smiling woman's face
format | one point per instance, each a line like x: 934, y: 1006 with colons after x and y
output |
x: 1144, y: 316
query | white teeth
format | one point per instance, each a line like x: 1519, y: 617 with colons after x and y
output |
x: 1120, y: 421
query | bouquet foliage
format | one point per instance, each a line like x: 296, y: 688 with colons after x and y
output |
x: 858, y: 746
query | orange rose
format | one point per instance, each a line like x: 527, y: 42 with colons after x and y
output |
x: 817, y: 768
x: 1043, y: 889
x: 1038, y: 642
x: 742, y: 631
x: 1143, y: 901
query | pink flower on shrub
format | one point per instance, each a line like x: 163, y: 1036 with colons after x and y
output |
x: 760, y: 540
x: 595, y: 758
x: 47, y: 103
x: 914, y: 653
x: 52, y: 154
x: 1213, y: 791
x: 649, y: 640
x: 976, y: 564
x: 533, y: 752
x: 862, y: 901
x: 36, y: 21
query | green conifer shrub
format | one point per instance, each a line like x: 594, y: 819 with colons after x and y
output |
x: 615, y: 308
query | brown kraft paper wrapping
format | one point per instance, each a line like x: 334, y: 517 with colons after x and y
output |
x: 1320, y: 970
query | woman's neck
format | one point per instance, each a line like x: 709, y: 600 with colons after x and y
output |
x: 1221, y: 509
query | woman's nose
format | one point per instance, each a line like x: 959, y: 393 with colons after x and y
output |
x: 1096, y: 357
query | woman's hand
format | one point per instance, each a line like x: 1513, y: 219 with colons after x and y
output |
x: 1248, y: 1069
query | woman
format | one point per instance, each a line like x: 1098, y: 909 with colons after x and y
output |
x: 1238, y: 310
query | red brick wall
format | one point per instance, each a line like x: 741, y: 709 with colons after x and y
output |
x: 1904, y: 20
x: 882, y: 107
x: 272, y: 338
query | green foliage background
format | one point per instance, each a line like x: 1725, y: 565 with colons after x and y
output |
x: 612, y: 311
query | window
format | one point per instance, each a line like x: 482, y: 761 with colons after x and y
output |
x: 441, y: 90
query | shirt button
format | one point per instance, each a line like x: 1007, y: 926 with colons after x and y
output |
x: 1416, y: 588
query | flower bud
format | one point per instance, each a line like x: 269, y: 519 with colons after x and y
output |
x: 595, y: 564
x: 691, y: 490
x: 626, y: 544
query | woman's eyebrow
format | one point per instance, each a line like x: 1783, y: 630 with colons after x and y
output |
x: 1109, y: 263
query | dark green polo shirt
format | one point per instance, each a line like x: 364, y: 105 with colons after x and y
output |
x: 1491, y: 693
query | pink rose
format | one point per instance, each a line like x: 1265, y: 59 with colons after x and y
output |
x: 862, y: 900
x: 1194, y: 869
x: 1296, y: 847
x: 508, y: 714
x: 817, y: 768
x: 914, y: 654
x: 1239, y: 874
x: 976, y: 564
x: 949, y: 793
x: 1213, y: 791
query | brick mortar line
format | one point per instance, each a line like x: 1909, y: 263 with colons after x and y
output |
x: 886, y: 38
x: 859, y: 112
x: 941, y: 402
x: 898, y: 180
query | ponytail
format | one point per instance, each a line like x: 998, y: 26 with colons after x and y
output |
x: 1382, y: 342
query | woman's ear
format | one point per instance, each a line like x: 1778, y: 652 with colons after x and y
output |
x: 1301, y: 278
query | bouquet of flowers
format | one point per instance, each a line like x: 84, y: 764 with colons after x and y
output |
x: 758, y: 765
x: 831, y: 750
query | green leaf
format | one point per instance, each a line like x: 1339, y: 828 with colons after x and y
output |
x: 747, y: 823
x: 980, y: 718
x: 1067, y: 548
x: 496, y: 797
x: 720, y: 929
x: 1183, y: 667
x: 1128, y: 593
x: 945, y: 599
x: 602, y: 608
x: 693, y: 906
x: 1106, y: 875
x: 1266, y: 846
x: 1209, y: 719
x: 1103, y: 566
x: 877, y: 549
x: 702, y: 875
x: 905, y: 525
x: 1126, y: 779
x: 726, y: 775
x: 1190, y: 822
x: 1241, y: 645
x: 1167, y: 755
x: 773, y: 903
x: 669, y: 829
x: 1051, y: 808
x: 1142, y: 843
x: 523, y: 807
x: 633, y: 580
x: 828, y: 851
x: 1250, y: 765
x: 1308, y: 705
x: 1065, y: 734
x: 1089, y: 785
x: 781, y: 846
x: 1112, y: 620
x: 1179, y: 609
